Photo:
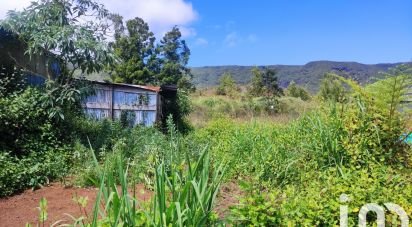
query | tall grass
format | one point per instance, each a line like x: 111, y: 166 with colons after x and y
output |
x: 274, y: 153
x: 192, y: 190
x: 184, y: 191
x: 244, y: 108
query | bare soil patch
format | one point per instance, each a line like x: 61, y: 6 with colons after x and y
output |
x: 228, y: 196
x: 22, y: 208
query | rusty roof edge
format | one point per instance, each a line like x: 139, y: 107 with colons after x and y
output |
x: 149, y: 88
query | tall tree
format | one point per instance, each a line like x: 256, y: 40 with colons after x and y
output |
x: 257, y: 86
x: 173, y: 58
x: 265, y: 83
x: 174, y: 55
x: 136, y: 49
x: 143, y: 62
x: 227, y: 85
x: 70, y: 31
x: 270, y: 80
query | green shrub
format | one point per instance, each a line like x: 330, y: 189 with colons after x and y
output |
x: 256, y: 209
x: 24, y: 125
x: 295, y: 106
x: 102, y: 135
x: 332, y: 89
x: 179, y: 107
x: 37, y: 128
x: 32, y: 145
x: 297, y: 91
x: 227, y: 86
x: 374, y: 124
x: 33, y: 170
x: 315, y: 201
x: 12, y: 80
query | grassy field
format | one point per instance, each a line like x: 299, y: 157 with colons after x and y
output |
x: 207, y: 106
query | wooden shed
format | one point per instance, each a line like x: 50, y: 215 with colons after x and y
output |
x: 142, y: 105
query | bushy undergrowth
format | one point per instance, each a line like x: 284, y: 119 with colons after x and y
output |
x: 315, y: 200
x: 184, y: 181
x: 33, y: 149
x: 141, y: 147
x: 33, y: 170
x: 25, y: 126
x: 38, y: 127
x: 352, y: 148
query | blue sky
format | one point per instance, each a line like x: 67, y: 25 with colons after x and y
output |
x: 262, y: 32
x: 296, y: 32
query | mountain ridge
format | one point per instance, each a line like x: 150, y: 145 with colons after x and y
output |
x: 308, y: 75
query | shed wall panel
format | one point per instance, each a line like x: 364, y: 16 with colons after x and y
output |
x: 140, y: 105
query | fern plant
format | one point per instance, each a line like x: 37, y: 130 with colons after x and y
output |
x: 391, y: 94
x: 374, y: 119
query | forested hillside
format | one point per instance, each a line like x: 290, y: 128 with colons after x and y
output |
x: 308, y: 75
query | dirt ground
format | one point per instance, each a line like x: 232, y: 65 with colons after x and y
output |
x: 22, y: 208
x: 228, y: 196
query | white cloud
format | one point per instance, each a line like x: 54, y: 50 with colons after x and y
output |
x: 161, y: 15
x: 201, y: 42
x: 232, y: 39
x: 187, y: 31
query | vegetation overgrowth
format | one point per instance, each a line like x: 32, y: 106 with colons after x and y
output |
x: 292, y: 172
x: 294, y: 154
